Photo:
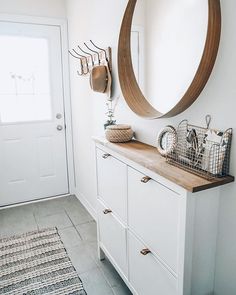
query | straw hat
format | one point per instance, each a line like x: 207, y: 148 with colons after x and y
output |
x: 100, y: 79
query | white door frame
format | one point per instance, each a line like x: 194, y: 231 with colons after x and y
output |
x: 62, y: 24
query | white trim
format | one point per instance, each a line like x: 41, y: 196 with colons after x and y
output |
x: 62, y: 24
x: 38, y: 20
x: 87, y: 205
x: 67, y: 107
x: 33, y: 201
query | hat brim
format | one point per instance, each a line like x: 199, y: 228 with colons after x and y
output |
x: 101, y: 79
x: 109, y: 83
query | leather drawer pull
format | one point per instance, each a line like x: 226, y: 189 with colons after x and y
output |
x: 145, y: 252
x: 105, y: 156
x: 107, y: 211
x: 145, y: 179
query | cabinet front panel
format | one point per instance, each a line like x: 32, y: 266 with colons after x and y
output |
x: 153, y: 212
x: 112, y: 235
x: 146, y: 274
x: 112, y: 183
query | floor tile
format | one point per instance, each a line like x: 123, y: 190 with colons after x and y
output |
x: 74, y: 201
x: 77, y: 211
x: 95, y: 283
x: 81, y: 258
x: 16, y: 213
x: 60, y: 220
x: 20, y: 228
x: 93, y: 249
x: 88, y: 231
x: 16, y: 221
x: 50, y: 207
x: 107, y: 269
x: 121, y: 290
x: 74, y: 204
x: 109, y: 272
x: 78, y: 215
x: 78, y: 233
x: 70, y: 237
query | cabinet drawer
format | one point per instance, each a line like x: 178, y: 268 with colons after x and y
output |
x: 112, y: 235
x: 153, y: 212
x: 146, y: 274
x: 112, y: 183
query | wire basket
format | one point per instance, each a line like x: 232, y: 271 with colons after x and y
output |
x: 202, y: 151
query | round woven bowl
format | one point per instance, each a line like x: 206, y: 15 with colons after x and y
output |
x: 119, y: 133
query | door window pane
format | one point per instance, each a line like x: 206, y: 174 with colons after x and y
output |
x: 24, y: 79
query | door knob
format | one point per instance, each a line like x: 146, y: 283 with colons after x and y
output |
x: 59, y: 127
x: 58, y: 116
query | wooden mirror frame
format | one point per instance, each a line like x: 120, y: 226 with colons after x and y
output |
x: 129, y: 86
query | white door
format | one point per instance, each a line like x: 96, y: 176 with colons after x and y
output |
x: 33, y: 161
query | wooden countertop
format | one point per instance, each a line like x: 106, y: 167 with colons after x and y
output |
x: 148, y: 157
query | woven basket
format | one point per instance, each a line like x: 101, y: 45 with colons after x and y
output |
x: 119, y: 133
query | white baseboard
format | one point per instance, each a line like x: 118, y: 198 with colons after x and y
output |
x: 86, y: 204
x: 34, y: 201
x: 78, y: 195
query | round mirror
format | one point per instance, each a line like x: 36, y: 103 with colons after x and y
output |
x: 166, y: 53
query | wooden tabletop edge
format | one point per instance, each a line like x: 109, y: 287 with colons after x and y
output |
x: 122, y: 149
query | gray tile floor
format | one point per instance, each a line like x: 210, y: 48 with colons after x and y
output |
x: 78, y: 232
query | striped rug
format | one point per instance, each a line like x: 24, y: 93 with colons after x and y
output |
x: 37, y: 263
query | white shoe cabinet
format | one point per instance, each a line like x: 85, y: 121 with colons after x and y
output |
x: 158, y: 234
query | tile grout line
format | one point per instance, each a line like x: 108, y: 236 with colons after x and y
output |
x: 35, y: 220
x: 97, y: 265
x: 103, y: 274
x: 85, y: 222
x: 106, y: 279
x: 73, y: 225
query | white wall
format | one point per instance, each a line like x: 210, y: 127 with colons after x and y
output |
x: 224, y: 106
x: 100, y: 20
x: 46, y: 8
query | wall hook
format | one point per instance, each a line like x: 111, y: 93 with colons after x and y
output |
x: 81, y: 64
x: 101, y: 50
x: 94, y: 51
x: 92, y: 61
x: 85, y: 58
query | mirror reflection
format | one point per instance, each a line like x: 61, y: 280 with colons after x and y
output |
x: 167, y: 43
